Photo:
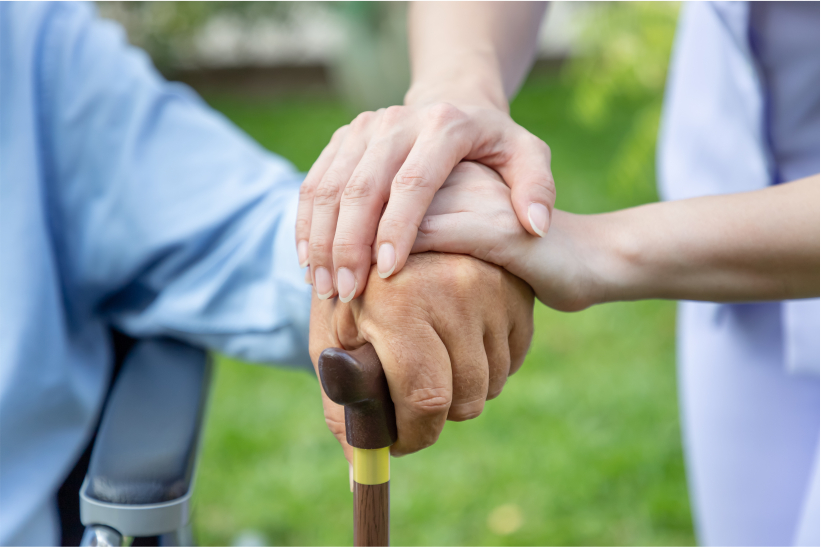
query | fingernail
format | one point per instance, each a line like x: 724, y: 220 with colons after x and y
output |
x: 302, y: 253
x: 346, y: 283
x: 323, y: 284
x: 537, y: 215
x: 386, y: 261
x: 350, y: 476
x: 308, y: 277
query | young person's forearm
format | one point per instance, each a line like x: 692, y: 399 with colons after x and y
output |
x: 475, y: 53
x: 760, y: 245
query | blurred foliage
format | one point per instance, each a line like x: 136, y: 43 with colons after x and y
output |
x: 625, y: 49
x: 373, y: 70
x: 166, y: 29
x: 370, y: 69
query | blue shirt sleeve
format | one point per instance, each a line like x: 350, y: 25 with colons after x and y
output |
x: 166, y: 219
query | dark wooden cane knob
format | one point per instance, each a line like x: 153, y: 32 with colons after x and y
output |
x: 355, y: 379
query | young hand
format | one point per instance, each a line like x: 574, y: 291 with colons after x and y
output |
x: 472, y: 214
x: 405, y: 153
x: 749, y: 246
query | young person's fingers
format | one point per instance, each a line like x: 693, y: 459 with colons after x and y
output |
x: 527, y: 172
x: 433, y: 156
x: 471, y: 214
x: 326, y: 200
x: 454, y: 233
x: 307, y: 191
x: 361, y: 206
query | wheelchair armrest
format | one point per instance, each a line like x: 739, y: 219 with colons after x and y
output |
x: 147, y: 443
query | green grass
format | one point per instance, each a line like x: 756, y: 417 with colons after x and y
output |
x: 582, y: 447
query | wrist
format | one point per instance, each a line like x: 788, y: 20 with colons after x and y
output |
x: 459, y: 94
x: 469, y: 79
x: 620, y: 271
x: 577, y: 264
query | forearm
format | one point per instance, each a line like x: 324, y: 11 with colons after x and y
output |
x: 475, y: 53
x: 760, y: 245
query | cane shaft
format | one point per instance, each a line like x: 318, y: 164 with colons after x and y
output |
x: 371, y: 514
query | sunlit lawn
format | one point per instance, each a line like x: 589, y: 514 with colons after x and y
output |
x: 582, y: 447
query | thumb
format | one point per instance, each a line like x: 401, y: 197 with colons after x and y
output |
x: 533, y: 192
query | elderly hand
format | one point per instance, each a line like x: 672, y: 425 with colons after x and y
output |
x: 449, y: 330
x: 405, y: 153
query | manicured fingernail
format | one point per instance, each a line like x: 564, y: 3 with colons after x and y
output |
x: 386, y: 261
x: 537, y: 215
x: 346, y: 283
x: 350, y: 476
x: 324, y: 286
x: 302, y: 253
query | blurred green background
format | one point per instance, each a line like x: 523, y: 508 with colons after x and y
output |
x: 582, y: 448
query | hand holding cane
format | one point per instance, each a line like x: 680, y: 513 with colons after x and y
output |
x: 355, y: 379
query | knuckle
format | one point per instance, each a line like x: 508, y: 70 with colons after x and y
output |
x: 328, y: 191
x: 318, y: 248
x: 345, y: 248
x: 380, y: 145
x: 546, y: 187
x: 339, y: 134
x: 359, y: 187
x: 391, y: 226
x: 393, y: 115
x: 469, y: 168
x: 303, y: 225
x: 544, y: 180
x: 337, y: 427
x: 412, y: 179
x: 467, y: 274
x: 362, y: 120
x: 444, y: 114
x: 428, y: 227
x: 306, y: 192
x: 429, y: 401
x: 466, y: 411
x: 539, y: 144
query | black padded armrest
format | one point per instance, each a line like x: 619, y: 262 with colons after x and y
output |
x: 146, y: 446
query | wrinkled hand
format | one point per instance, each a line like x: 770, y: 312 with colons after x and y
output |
x: 449, y: 330
x: 406, y: 153
x: 472, y: 214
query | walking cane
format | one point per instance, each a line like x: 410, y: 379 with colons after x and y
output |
x: 355, y: 380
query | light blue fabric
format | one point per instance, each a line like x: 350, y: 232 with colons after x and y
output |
x: 742, y: 113
x: 126, y: 201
